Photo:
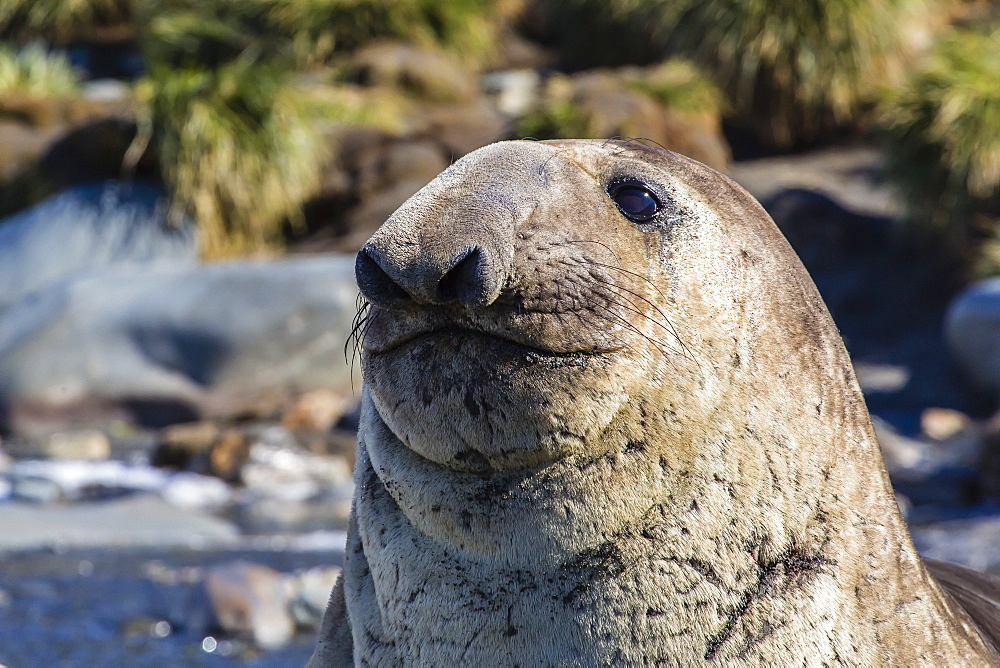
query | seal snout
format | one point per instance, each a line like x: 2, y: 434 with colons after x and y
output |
x: 434, y: 274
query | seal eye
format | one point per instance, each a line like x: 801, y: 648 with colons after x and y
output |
x: 635, y: 201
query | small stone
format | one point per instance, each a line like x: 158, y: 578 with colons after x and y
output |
x: 943, y: 423
x: 316, y: 411
x: 310, y: 594
x: 85, y: 444
x: 203, y: 447
x: 514, y: 92
x: 900, y: 453
x: 251, y: 600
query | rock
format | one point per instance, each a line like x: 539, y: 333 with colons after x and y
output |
x: 87, y: 227
x: 251, y: 601
x: 370, y: 175
x: 943, y: 423
x: 317, y: 411
x: 21, y: 145
x: 288, y: 473
x: 88, y: 444
x: 611, y: 103
x: 98, y: 149
x: 970, y: 542
x: 460, y: 129
x: 310, y: 594
x: 143, y: 520
x: 203, y: 447
x: 160, y: 345
x: 422, y: 73
x: 513, y: 92
x: 50, y: 144
x: 972, y: 331
x: 194, y: 491
x: 287, y: 488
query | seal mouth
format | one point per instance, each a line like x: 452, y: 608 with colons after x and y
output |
x: 442, y: 332
x: 390, y: 330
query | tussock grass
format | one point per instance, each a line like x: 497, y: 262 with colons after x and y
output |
x: 798, y: 68
x: 312, y: 32
x: 791, y: 69
x: 60, y: 21
x: 34, y: 72
x: 943, y: 132
x: 318, y: 29
x: 240, y: 147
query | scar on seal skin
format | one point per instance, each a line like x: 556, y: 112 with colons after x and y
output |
x: 607, y: 419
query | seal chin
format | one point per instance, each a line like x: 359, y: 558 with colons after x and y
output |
x: 480, y: 403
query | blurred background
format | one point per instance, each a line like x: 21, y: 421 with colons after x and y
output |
x: 183, y: 184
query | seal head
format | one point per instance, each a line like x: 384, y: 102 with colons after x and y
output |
x: 607, y: 418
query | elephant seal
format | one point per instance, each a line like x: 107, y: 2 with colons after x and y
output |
x: 607, y: 419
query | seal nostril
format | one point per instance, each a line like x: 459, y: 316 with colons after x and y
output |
x: 375, y: 284
x: 465, y: 282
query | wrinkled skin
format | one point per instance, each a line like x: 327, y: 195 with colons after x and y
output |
x: 589, y: 440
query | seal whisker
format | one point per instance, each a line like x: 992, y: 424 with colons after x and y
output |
x: 668, y: 321
x: 666, y: 324
x: 590, y: 241
x: 663, y: 346
x: 594, y: 304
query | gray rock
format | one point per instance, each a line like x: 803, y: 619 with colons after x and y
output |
x: 248, y: 600
x: 134, y: 521
x: 971, y: 542
x: 157, y: 345
x: 89, y: 226
x: 514, y: 92
x: 972, y: 331
x: 310, y: 593
x: 44, y: 481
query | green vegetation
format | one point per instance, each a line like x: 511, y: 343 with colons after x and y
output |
x: 943, y: 130
x: 34, y: 72
x: 240, y: 147
x: 60, y: 21
x: 677, y: 84
x: 556, y: 119
x: 798, y: 68
x: 793, y: 69
x: 319, y: 28
x: 239, y: 137
x: 310, y: 32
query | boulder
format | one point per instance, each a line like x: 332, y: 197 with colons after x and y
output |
x: 155, y: 345
x: 972, y: 331
x: 89, y: 226
x: 251, y: 601
x: 420, y: 72
x: 614, y: 103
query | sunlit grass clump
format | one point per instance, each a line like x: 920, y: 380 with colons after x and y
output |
x: 943, y: 131
x: 34, y: 72
x: 679, y: 85
x: 320, y: 28
x: 240, y: 147
x: 798, y: 68
x: 314, y: 32
x: 792, y: 70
